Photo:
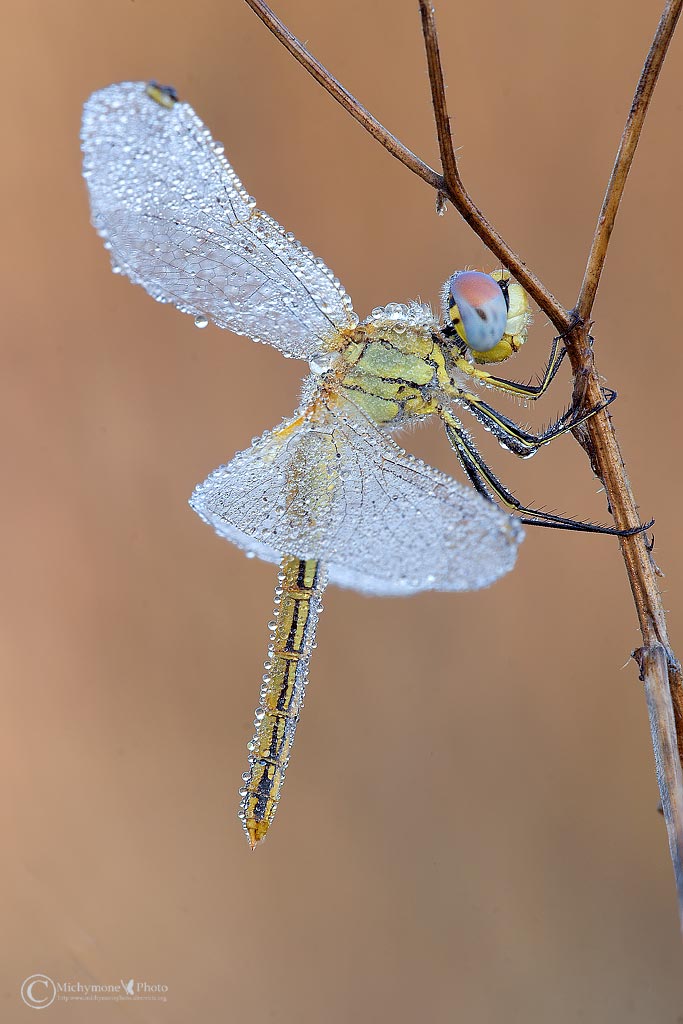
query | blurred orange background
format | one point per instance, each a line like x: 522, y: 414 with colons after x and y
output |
x: 469, y: 827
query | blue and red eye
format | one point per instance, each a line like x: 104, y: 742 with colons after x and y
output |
x: 478, y: 308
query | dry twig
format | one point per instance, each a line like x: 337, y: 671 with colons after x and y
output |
x: 659, y: 669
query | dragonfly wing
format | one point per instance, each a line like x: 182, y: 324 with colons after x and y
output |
x: 178, y: 221
x: 334, y: 487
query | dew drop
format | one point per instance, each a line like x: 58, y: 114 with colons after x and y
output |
x: 201, y: 322
x: 321, y: 362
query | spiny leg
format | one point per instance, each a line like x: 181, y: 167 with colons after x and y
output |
x: 515, y: 438
x: 297, y: 604
x: 485, y: 481
x: 527, y: 391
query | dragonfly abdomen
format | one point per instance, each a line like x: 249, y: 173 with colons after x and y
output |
x: 298, y: 603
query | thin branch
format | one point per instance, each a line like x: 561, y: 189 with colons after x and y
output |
x: 624, y: 159
x: 460, y: 199
x: 449, y: 164
x: 331, y: 85
x: 659, y: 668
x: 660, y: 671
x: 655, y: 667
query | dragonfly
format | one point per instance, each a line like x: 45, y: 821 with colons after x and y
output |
x: 327, y: 495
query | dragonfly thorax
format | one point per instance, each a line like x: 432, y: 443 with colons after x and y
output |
x: 392, y: 368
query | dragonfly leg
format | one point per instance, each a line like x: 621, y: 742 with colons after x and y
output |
x: 527, y: 391
x: 515, y: 438
x: 485, y: 481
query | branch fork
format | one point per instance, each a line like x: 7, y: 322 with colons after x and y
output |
x: 659, y: 669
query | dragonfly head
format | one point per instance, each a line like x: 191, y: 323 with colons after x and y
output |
x: 488, y: 313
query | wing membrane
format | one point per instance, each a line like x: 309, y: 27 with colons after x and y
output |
x: 336, y: 488
x: 178, y: 222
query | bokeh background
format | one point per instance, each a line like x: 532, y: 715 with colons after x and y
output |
x: 469, y: 826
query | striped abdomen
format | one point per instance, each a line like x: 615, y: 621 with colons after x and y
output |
x: 298, y: 601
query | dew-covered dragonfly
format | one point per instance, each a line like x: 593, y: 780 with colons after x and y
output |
x: 327, y: 495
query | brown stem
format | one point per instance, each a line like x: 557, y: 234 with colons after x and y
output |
x: 659, y: 668
x: 624, y: 159
x: 655, y: 669
x: 343, y: 96
x: 451, y: 173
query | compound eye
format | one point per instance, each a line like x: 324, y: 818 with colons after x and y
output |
x: 477, y: 307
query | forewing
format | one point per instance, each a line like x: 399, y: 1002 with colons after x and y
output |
x: 178, y: 221
x: 340, y: 490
